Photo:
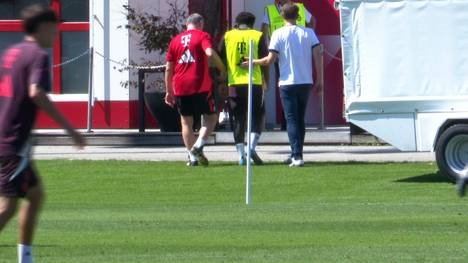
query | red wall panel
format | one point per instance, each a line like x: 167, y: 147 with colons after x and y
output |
x: 106, y: 115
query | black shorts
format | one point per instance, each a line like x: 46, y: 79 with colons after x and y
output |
x: 17, y: 176
x: 196, y: 104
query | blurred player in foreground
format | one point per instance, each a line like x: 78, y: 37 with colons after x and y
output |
x: 24, y: 82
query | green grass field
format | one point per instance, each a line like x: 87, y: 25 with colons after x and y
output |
x: 98, y: 211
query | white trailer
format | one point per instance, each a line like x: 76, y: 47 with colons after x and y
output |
x: 405, y: 65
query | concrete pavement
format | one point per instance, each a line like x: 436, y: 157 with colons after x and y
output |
x: 271, y: 153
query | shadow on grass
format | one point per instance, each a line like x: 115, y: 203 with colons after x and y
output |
x: 425, y: 178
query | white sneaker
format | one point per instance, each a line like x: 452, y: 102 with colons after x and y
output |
x: 223, y: 117
x: 296, y: 163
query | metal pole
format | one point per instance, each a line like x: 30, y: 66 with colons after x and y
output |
x: 141, y: 100
x: 90, y: 91
x: 322, y: 104
x: 322, y: 109
x: 249, y: 124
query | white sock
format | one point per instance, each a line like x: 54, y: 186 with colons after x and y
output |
x: 191, y: 156
x: 24, y: 254
x: 254, y: 137
x: 199, y: 143
x: 240, y: 149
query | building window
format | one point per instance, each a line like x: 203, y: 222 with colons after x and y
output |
x: 74, y: 10
x: 74, y: 76
x: 11, y: 9
x: 9, y: 38
x: 72, y: 40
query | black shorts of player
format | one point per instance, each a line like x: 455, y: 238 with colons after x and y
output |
x: 196, y: 104
x: 17, y: 176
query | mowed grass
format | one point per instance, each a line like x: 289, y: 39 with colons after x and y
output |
x: 116, y: 211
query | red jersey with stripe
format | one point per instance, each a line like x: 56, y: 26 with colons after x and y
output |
x: 21, y: 65
x: 187, y: 53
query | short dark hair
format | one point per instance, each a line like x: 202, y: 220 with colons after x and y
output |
x: 36, y: 14
x: 290, y: 11
x: 245, y: 18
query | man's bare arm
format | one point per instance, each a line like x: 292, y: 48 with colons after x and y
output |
x: 211, y: 53
x: 318, y: 59
x: 40, y: 98
x: 269, y: 59
x: 169, y: 99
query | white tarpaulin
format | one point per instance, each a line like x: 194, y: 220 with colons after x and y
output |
x: 404, y: 48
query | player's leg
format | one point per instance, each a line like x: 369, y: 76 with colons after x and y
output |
x: 188, y: 137
x: 187, y: 132
x: 28, y: 214
x: 207, y: 109
x: 258, y: 120
x: 208, y: 126
x: 8, y: 189
x: 204, y: 104
x: 238, y: 126
x: 289, y: 100
x: 461, y: 182
x: 184, y: 105
x: 7, y: 210
x: 18, y: 180
x: 302, y: 99
x: 30, y: 188
x: 27, y: 219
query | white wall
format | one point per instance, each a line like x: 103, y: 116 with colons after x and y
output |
x: 256, y: 7
x: 156, y: 7
x: 112, y: 43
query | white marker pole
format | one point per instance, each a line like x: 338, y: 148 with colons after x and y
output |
x: 249, y: 123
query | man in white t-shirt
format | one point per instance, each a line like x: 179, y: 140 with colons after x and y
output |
x: 272, y: 20
x: 292, y: 45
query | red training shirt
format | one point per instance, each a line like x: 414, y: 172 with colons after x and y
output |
x: 187, y: 53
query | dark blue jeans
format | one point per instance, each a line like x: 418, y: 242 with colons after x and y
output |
x: 294, y: 99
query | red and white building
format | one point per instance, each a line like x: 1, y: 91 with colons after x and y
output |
x: 97, y: 23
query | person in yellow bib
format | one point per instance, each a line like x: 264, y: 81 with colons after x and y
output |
x: 273, y: 20
x: 234, y: 48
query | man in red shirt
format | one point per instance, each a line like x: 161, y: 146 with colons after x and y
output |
x: 24, y: 82
x: 188, y: 84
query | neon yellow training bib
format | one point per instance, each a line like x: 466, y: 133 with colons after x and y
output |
x: 277, y: 21
x: 237, y: 48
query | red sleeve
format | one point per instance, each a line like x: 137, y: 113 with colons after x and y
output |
x: 206, y: 41
x: 40, y: 73
x: 170, y: 53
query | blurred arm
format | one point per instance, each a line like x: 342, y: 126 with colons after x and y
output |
x: 211, y: 53
x: 318, y: 59
x: 39, y: 97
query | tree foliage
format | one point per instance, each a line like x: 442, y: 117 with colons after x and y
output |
x: 155, y: 31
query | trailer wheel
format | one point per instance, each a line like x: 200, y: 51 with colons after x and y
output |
x: 452, y: 152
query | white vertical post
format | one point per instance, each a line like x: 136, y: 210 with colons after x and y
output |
x: 322, y: 109
x: 322, y: 101
x: 249, y: 124
x: 90, y: 91
x: 89, y: 120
